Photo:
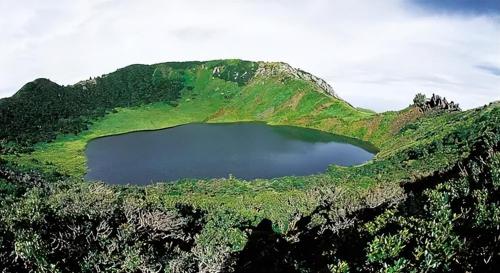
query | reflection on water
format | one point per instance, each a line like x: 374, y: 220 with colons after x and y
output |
x: 200, y: 150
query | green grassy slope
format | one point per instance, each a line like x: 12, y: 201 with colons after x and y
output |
x: 276, y: 99
x: 205, y: 97
x: 414, y: 147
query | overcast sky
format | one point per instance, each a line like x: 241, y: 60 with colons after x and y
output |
x: 375, y: 54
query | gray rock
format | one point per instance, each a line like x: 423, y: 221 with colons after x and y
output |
x: 276, y: 69
x: 438, y: 103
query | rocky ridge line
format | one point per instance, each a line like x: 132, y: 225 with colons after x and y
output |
x: 275, y: 69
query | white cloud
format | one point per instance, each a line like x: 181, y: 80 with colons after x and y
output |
x: 376, y: 54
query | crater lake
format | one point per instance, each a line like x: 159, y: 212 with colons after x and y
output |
x: 246, y: 150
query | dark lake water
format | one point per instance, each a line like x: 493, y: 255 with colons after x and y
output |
x: 200, y: 150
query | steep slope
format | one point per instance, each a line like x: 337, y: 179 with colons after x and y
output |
x: 43, y: 109
x: 431, y: 204
x: 142, y: 97
x: 428, y: 202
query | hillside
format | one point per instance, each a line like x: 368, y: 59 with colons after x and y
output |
x: 174, y: 93
x: 427, y: 202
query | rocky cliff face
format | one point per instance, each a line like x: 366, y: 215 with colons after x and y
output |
x: 438, y: 103
x: 277, y: 69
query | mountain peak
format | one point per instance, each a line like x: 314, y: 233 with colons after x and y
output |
x: 280, y: 68
x: 38, y: 85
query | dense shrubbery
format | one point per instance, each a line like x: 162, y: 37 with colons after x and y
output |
x: 452, y: 227
x: 429, y: 202
x: 447, y: 221
x: 78, y: 227
x: 43, y: 109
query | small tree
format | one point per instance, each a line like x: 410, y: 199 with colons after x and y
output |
x: 419, y: 100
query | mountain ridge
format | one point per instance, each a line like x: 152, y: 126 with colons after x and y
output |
x: 131, y: 86
x: 265, y: 69
x: 427, y: 202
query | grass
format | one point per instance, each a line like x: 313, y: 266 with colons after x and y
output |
x: 208, y: 99
x: 412, y: 146
x: 274, y: 100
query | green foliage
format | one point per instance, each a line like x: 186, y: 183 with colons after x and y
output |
x: 42, y: 109
x: 419, y: 100
x: 235, y: 70
x: 340, y: 267
x: 428, y: 202
x: 430, y: 241
x: 87, y: 227
x: 204, y: 98
x: 451, y: 233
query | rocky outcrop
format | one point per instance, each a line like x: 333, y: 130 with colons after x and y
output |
x: 438, y: 103
x: 284, y: 69
x: 86, y: 83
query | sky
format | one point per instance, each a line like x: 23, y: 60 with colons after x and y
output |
x: 375, y: 54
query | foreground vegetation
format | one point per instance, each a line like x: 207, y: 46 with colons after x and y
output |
x: 428, y: 202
